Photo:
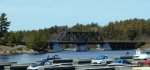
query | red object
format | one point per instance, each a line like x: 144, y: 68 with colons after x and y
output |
x: 143, y: 63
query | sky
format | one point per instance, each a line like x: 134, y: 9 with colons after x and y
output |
x: 40, y: 14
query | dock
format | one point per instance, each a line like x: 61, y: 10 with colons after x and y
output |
x: 72, y: 64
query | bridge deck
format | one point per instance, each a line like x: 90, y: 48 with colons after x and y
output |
x: 95, y: 42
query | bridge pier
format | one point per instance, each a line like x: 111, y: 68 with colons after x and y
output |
x: 107, y: 46
x: 100, y: 47
x: 57, y: 47
x: 80, y: 47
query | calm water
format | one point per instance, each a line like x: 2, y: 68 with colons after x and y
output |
x: 28, y: 58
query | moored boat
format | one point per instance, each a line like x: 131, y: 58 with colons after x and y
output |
x: 142, y: 54
x: 120, y: 62
x: 101, y: 59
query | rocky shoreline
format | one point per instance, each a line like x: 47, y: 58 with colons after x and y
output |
x: 17, y: 52
x: 7, y: 50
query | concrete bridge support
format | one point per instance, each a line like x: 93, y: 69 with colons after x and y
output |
x: 100, y: 47
x: 107, y: 46
x: 57, y: 47
x: 80, y: 47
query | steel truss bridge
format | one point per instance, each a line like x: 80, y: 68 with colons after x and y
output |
x: 82, y: 38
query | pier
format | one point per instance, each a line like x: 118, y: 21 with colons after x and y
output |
x: 74, y: 64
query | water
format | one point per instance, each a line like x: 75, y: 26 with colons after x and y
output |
x: 29, y: 58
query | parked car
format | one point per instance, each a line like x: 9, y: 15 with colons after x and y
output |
x: 120, y: 62
x: 99, y: 59
x: 145, y: 63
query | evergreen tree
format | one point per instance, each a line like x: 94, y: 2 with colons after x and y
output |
x: 4, y: 24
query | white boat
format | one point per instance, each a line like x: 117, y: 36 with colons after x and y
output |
x: 101, y: 59
x: 39, y: 65
x: 141, y: 54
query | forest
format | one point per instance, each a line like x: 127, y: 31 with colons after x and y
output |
x: 130, y: 29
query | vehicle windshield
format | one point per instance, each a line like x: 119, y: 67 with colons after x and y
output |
x: 101, y: 57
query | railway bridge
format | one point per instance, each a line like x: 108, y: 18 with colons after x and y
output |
x: 83, y: 38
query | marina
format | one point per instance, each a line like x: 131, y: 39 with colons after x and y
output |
x: 69, y: 65
x: 26, y: 58
x: 59, y: 62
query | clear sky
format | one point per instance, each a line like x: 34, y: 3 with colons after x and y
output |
x: 35, y: 14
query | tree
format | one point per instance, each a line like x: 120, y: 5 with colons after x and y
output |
x: 4, y: 24
x: 11, y: 38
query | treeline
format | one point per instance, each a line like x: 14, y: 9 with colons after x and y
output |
x: 35, y: 39
x: 131, y: 29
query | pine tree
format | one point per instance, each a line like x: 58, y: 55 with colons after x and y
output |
x: 4, y: 24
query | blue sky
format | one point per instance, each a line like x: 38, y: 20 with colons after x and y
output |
x: 35, y: 14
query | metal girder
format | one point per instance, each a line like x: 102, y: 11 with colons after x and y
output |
x: 80, y: 37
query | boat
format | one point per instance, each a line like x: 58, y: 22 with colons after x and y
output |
x: 39, y: 65
x: 141, y: 55
x: 120, y: 62
x: 145, y: 63
x: 100, y: 59
x: 53, y: 57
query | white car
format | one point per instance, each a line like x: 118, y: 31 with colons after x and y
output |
x: 99, y: 59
